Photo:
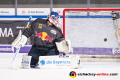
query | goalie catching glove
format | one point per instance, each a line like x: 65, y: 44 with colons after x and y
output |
x: 20, y: 41
x: 64, y: 46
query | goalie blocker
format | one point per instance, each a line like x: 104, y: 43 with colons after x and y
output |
x: 53, y: 62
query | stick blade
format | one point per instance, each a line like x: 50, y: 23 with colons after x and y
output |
x: 13, y: 67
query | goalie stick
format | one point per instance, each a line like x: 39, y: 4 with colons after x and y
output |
x: 12, y: 64
x: 18, y: 49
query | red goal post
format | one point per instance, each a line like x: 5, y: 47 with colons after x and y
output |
x: 85, y: 9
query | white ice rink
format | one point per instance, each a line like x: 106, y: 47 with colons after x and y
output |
x: 57, y: 74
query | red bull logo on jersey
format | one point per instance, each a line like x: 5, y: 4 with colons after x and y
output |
x: 44, y: 36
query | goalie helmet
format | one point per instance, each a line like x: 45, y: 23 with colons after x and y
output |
x: 52, y: 18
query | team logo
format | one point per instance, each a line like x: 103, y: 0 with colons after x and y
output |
x: 72, y: 74
x: 44, y: 36
x: 42, y: 62
x: 118, y: 32
x: 53, y: 31
x: 40, y: 26
x: 28, y: 26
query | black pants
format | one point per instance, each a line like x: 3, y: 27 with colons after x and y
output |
x: 35, y: 52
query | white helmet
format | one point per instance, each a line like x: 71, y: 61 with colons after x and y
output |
x: 52, y: 16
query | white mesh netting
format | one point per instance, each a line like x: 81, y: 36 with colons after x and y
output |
x: 92, y: 31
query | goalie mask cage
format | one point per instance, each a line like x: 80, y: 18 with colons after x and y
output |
x: 91, y: 31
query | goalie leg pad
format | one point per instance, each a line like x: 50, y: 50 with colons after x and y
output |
x: 59, y: 62
x: 26, y: 60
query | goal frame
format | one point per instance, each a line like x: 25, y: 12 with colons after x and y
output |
x: 85, y: 9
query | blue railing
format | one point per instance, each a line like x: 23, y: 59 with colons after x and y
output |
x: 45, y: 16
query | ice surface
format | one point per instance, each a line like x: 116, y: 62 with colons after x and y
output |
x: 56, y: 74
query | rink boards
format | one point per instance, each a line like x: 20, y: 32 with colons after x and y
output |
x: 76, y: 50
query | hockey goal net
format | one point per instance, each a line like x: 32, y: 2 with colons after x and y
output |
x: 92, y: 31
